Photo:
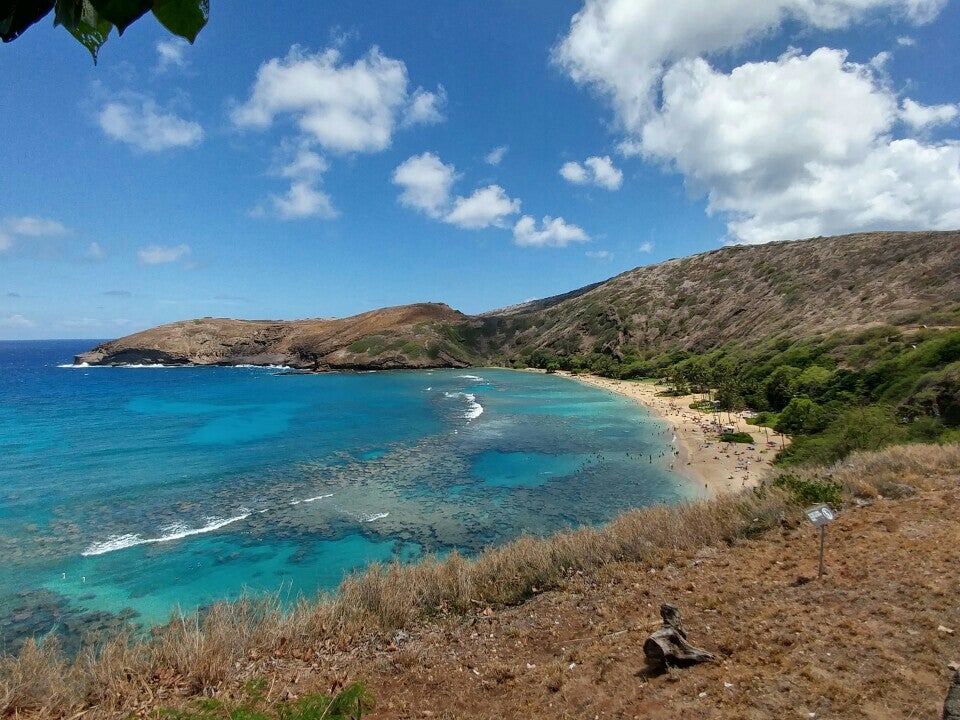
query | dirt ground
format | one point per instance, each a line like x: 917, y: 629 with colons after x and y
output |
x: 873, y: 639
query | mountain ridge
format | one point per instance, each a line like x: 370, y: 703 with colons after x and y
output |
x: 735, y: 294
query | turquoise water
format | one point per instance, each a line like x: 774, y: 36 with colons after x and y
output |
x: 127, y: 492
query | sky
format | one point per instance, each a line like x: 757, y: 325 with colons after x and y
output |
x: 325, y: 159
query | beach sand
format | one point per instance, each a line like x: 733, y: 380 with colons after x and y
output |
x: 717, y: 467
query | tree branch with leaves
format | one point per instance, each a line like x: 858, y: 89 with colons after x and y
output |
x: 90, y: 21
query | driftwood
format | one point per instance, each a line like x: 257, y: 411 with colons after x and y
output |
x: 951, y: 706
x: 668, y: 646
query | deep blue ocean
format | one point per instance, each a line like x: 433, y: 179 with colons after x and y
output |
x: 126, y: 493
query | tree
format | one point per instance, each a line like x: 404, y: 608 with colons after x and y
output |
x: 90, y: 21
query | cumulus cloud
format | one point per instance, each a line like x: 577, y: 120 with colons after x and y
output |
x: 162, y: 254
x: 171, y: 54
x: 906, y: 41
x: 94, y: 252
x: 553, y: 232
x: 18, y: 228
x: 921, y: 117
x: 34, y: 226
x: 488, y: 206
x: 495, y: 156
x: 426, y: 182
x: 427, y: 186
x: 344, y: 107
x: 623, y: 47
x: 140, y: 123
x: 425, y: 108
x: 304, y: 168
x: 599, y: 171
x: 770, y: 144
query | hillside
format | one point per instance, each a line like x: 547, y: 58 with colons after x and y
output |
x: 407, y: 336
x: 742, y: 294
x: 735, y: 295
x: 554, y: 627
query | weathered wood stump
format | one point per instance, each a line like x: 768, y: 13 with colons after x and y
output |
x: 668, y: 646
x: 951, y: 706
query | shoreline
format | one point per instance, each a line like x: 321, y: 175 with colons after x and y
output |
x: 715, y: 466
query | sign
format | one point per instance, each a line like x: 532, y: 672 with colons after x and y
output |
x: 819, y: 515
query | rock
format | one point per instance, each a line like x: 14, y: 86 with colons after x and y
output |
x: 668, y: 646
x: 951, y: 706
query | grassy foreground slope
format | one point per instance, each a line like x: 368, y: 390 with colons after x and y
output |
x: 553, y: 627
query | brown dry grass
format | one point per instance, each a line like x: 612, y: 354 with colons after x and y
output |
x: 231, y: 642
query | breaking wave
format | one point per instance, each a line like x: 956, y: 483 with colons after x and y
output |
x: 177, y: 531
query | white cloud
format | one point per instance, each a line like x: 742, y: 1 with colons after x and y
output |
x: 344, y: 107
x: 161, y: 254
x: 171, y: 54
x: 94, y: 252
x: 906, y: 41
x: 425, y: 108
x: 34, y: 226
x: 303, y: 200
x: 137, y: 121
x: 623, y: 47
x: 427, y: 187
x: 426, y: 183
x: 495, y: 156
x: 489, y: 206
x: 599, y: 254
x: 16, y: 321
x: 304, y: 168
x: 14, y: 228
x: 921, y: 117
x: 772, y: 146
x: 595, y: 170
x: 553, y: 232
x: 646, y: 247
x: 574, y: 172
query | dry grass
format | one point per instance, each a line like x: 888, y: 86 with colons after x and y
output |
x: 199, y: 653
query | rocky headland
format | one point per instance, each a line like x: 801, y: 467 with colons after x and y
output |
x: 739, y: 295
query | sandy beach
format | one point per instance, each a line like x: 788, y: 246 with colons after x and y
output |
x: 716, y: 466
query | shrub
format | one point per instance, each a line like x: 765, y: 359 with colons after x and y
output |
x: 807, y: 492
x: 737, y: 437
x: 349, y: 704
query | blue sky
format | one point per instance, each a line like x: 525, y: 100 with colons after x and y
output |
x: 316, y: 160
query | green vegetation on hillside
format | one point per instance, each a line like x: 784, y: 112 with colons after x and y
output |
x: 833, y: 393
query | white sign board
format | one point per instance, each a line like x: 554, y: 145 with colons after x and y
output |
x: 820, y: 514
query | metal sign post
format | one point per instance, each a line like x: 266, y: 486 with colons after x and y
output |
x: 820, y: 515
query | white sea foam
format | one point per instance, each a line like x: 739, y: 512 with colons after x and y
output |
x: 471, y: 377
x: 71, y: 365
x: 373, y: 516
x: 313, y: 499
x: 318, y: 497
x: 176, y: 531
x: 263, y: 367
x: 474, y: 410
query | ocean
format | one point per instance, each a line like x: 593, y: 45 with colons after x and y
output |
x: 129, y: 493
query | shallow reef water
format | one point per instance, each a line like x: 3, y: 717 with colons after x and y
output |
x: 128, y: 492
